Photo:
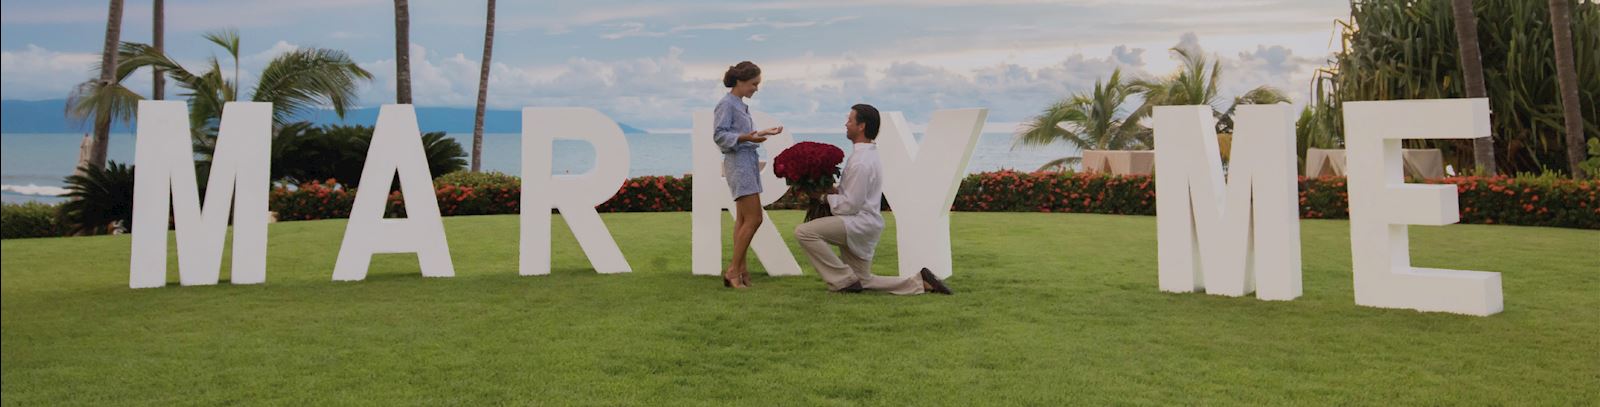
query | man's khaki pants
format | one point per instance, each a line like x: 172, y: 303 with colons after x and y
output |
x: 818, y: 235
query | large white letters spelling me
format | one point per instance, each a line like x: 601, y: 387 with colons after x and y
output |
x: 711, y: 196
x: 1233, y: 243
x: 921, y: 180
x: 164, y: 156
x: 396, y: 148
x: 1382, y: 204
x: 574, y: 195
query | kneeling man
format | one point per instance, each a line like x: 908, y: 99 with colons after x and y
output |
x: 856, y: 222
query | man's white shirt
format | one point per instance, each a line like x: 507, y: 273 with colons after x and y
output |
x: 860, y: 199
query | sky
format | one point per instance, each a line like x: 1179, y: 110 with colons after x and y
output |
x: 651, y: 63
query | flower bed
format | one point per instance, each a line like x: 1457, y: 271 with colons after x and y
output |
x: 1531, y: 201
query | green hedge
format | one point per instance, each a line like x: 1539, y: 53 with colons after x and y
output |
x: 31, y: 219
x: 1528, y: 201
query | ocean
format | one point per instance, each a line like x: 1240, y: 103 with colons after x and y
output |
x: 33, y: 165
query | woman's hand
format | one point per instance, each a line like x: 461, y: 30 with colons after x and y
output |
x: 760, y: 136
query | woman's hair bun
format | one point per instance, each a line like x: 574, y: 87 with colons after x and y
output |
x: 742, y: 71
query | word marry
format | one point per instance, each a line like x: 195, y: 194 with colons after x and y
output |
x: 1227, y: 238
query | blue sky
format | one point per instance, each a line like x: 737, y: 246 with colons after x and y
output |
x: 651, y: 63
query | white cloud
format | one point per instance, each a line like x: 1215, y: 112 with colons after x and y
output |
x: 661, y: 91
x: 1275, y: 66
x: 34, y: 73
x: 636, y: 29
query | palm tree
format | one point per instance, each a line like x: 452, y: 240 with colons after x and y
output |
x: 103, y: 99
x: 483, y: 91
x: 1472, y: 70
x: 1089, y: 121
x: 1197, y: 84
x: 1192, y: 84
x: 158, y: 83
x: 1567, y: 75
x: 402, y: 51
x: 295, y: 82
x: 1263, y: 95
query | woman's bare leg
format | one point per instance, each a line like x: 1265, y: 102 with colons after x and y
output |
x: 747, y: 221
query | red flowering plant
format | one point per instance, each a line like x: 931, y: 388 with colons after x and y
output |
x: 810, y: 169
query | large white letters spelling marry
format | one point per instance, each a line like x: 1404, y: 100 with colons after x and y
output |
x: 574, y: 195
x: 1382, y: 204
x: 396, y: 148
x: 1229, y: 244
x: 711, y: 196
x: 164, y: 156
x: 921, y: 180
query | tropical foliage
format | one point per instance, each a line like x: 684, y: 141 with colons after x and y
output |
x: 295, y: 82
x: 1096, y: 120
x: 1196, y: 82
x: 100, y: 199
x: 1406, y: 49
x: 30, y: 219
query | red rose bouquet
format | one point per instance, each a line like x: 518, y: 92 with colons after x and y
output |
x: 811, y: 169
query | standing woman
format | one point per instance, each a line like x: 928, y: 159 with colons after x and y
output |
x: 737, y: 138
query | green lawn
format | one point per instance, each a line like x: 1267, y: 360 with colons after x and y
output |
x: 1051, y: 309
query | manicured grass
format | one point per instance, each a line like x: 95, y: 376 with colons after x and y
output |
x: 1052, y: 309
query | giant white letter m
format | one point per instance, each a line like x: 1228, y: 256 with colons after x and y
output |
x: 164, y: 178
x: 1228, y: 244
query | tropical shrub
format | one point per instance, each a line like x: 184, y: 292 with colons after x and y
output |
x: 1406, y: 49
x: 1014, y: 191
x: 99, y: 199
x: 30, y: 219
x: 307, y: 153
x: 1531, y: 201
x: 312, y: 200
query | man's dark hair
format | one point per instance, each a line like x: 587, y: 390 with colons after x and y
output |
x: 742, y: 71
x: 868, y: 116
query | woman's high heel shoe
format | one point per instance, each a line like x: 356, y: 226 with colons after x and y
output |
x: 729, y: 282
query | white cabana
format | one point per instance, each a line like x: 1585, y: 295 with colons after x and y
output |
x: 1424, y: 164
x: 1141, y: 162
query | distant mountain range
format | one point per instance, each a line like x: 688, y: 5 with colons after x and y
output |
x: 49, y: 116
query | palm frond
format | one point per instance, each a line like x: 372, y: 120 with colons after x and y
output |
x: 299, y: 81
x: 101, y: 101
x: 227, y: 38
x: 131, y: 56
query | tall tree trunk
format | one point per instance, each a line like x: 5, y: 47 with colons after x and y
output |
x: 108, y: 76
x: 158, y: 84
x: 483, y: 91
x: 1472, y: 72
x: 1567, y: 76
x: 402, y: 51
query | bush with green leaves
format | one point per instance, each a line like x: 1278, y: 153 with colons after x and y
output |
x: 30, y: 219
x: 1407, y: 49
x: 99, y: 200
x: 302, y: 153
